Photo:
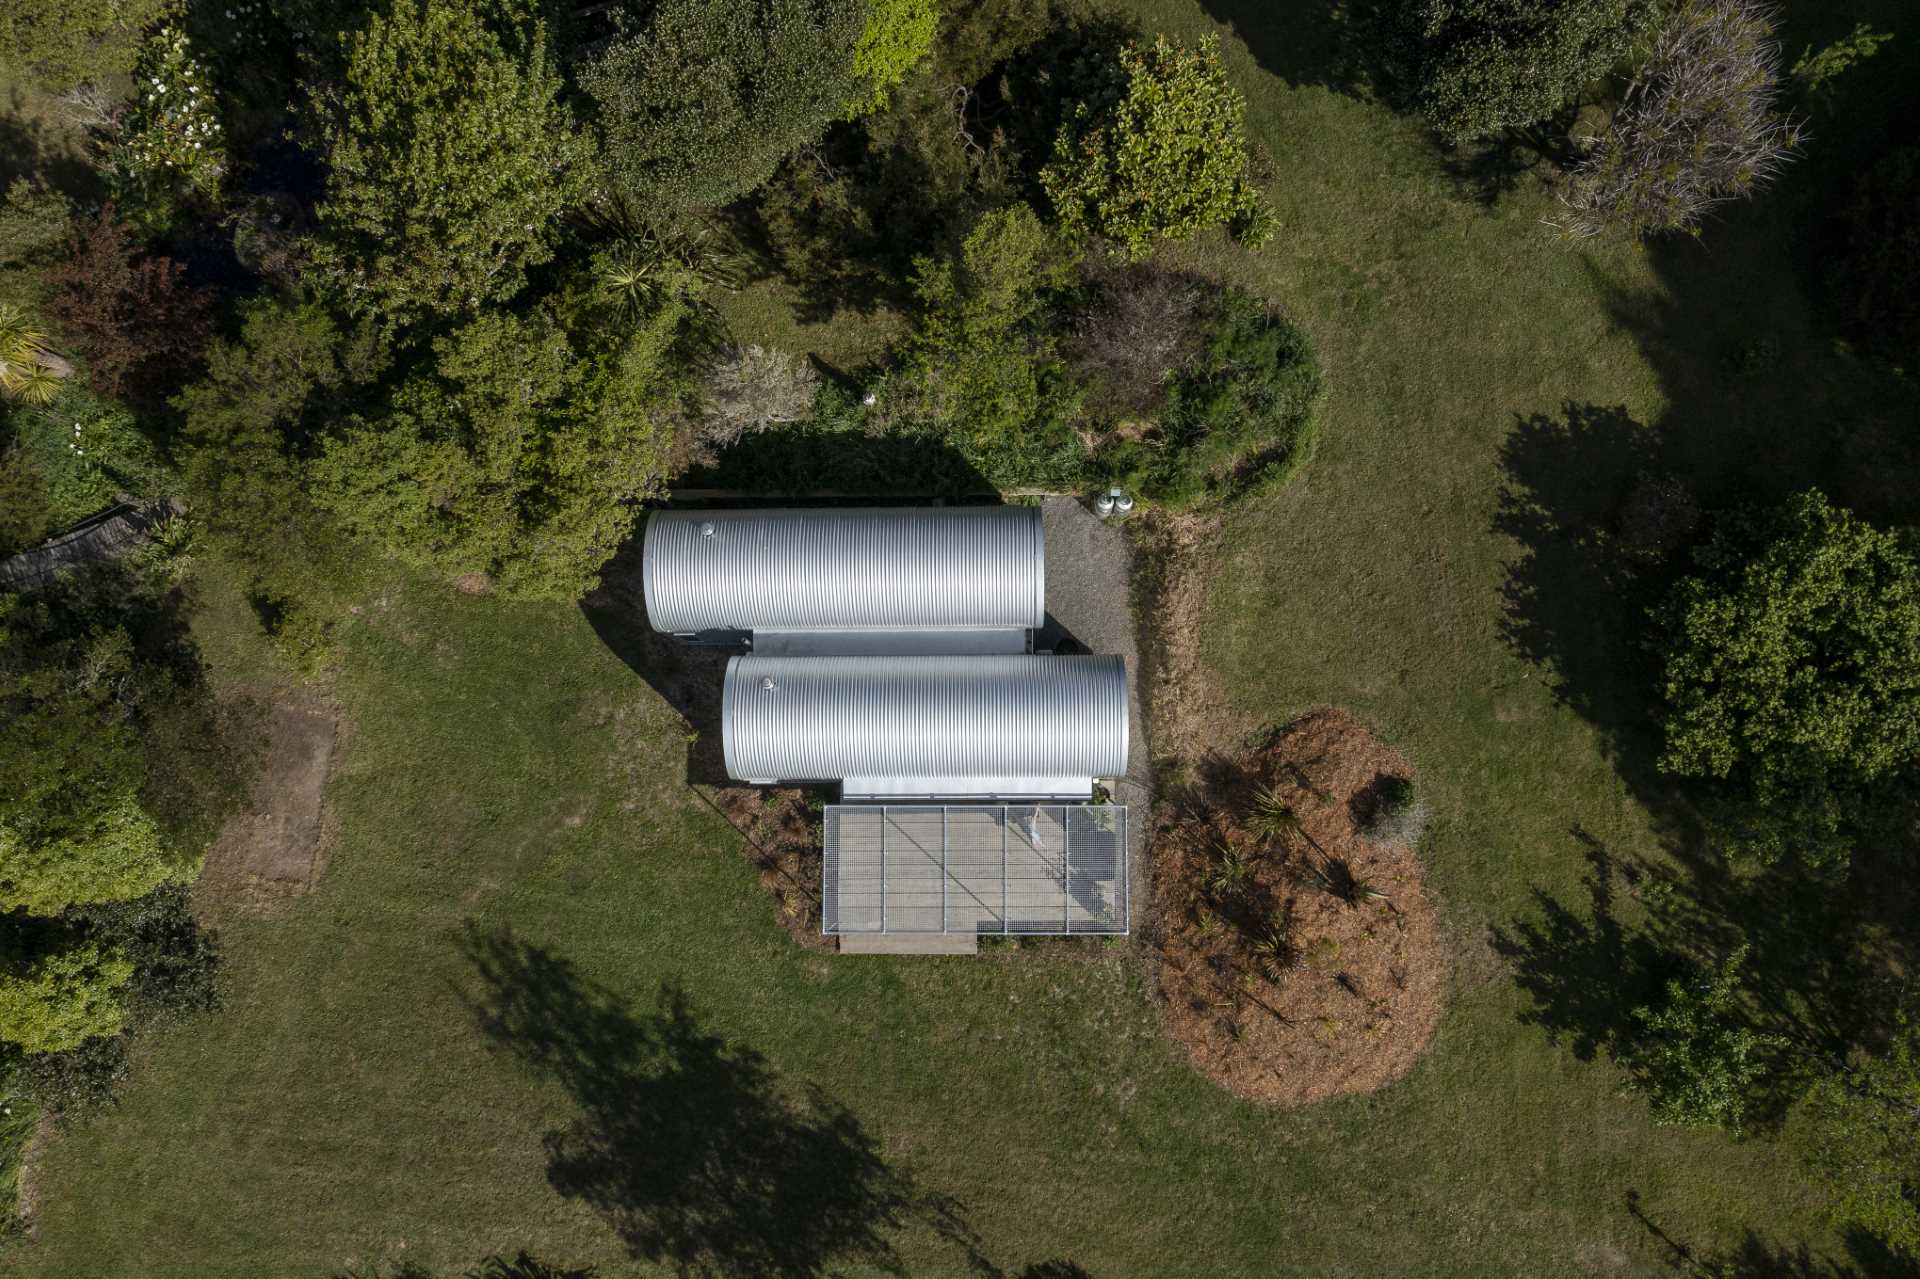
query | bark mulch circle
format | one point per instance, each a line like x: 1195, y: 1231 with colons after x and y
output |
x: 1299, y: 958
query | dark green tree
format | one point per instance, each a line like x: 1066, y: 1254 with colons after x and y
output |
x: 518, y: 451
x: 699, y: 105
x: 1477, y: 67
x: 1793, y: 675
x: 449, y: 157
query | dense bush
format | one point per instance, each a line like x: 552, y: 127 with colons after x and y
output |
x: 36, y: 227
x: 1695, y: 129
x: 249, y: 425
x: 1156, y: 148
x: 1693, y: 1054
x: 449, y: 156
x: 699, y: 105
x: 1874, y: 277
x: 115, y: 762
x: 65, y: 42
x: 518, y: 450
x: 1238, y: 418
x: 982, y: 364
x: 1866, y: 1121
x: 133, y: 316
x: 897, y: 35
x: 1793, y: 675
x: 60, y: 997
x: 87, y: 451
x: 1477, y: 67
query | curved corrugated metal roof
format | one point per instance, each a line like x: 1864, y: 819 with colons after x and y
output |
x: 880, y: 569
x: 943, y: 720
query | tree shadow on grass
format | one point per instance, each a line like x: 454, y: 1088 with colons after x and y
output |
x: 696, y: 1152
x: 1578, y: 590
x: 1755, y: 1257
x: 1304, y: 42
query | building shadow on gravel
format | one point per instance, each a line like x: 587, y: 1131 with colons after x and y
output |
x: 689, y: 1144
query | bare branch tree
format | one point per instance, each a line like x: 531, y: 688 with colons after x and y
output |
x: 753, y: 389
x: 1696, y: 128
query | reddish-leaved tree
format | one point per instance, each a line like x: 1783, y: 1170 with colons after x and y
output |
x: 132, y: 315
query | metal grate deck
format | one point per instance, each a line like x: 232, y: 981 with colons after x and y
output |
x: 975, y: 868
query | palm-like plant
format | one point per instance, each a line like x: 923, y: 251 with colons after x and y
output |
x: 1271, y: 815
x: 1337, y: 877
x: 1230, y: 869
x: 1272, y: 942
x: 29, y: 370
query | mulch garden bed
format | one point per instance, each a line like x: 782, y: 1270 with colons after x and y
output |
x: 1299, y: 957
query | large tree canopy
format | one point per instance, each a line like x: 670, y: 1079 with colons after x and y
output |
x: 1793, y: 670
x: 700, y: 104
x: 1480, y: 66
x: 517, y: 452
x: 449, y: 157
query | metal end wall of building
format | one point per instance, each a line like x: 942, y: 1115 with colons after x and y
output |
x: 926, y: 726
x: 883, y: 569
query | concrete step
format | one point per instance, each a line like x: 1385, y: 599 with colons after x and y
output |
x: 909, y: 944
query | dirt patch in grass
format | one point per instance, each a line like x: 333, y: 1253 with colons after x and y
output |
x: 1177, y: 555
x: 26, y: 1200
x: 1299, y: 959
x: 276, y: 851
x: 781, y: 835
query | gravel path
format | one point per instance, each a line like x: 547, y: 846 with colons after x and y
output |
x: 1090, y: 603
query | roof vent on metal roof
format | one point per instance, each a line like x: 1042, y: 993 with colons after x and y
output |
x: 769, y: 683
x: 706, y: 528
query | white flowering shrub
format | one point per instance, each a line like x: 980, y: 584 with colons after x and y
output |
x: 170, y: 149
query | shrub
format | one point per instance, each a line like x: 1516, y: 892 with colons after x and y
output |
x: 1238, y: 419
x: 65, y: 42
x: 1157, y: 148
x: 1696, y: 128
x: 898, y: 34
x: 752, y: 389
x: 88, y: 451
x: 139, y: 324
x: 36, y: 227
x: 700, y: 104
x: 81, y: 1080
x: 1866, y: 1122
x: 1477, y: 67
x: 169, y: 149
x: 1693, y: 1055
x: 176, y: 964
x: 1793, y: 674
x: 1393, y: 812
x: 449, y: 156
x: 1140, y: 326
x: 517, y: 451
x: 1873, y: 282
x: 57, y: 1000
x: 981, y: 365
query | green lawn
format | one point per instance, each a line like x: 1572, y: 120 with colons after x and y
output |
x: 541, y: 1002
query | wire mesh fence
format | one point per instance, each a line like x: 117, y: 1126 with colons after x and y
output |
x: 983, y: 869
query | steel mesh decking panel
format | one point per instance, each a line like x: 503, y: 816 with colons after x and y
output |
x: 1033, y: 869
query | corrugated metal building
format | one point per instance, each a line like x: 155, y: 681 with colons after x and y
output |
x: 890, y: 650
x: 925, y: 569
x: 928, y: 727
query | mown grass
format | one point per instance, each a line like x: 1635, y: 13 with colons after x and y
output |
x: 508, y: 783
